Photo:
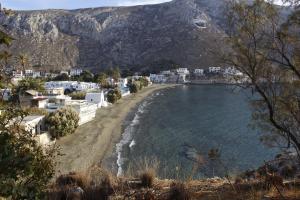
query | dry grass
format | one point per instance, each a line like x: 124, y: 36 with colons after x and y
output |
x: 147, y: 178
x: 179, y: 191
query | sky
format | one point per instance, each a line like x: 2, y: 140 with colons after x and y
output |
x: 74, y: 4
x: 71, y: 4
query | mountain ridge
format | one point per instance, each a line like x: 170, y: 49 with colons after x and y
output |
x: 145, y: 36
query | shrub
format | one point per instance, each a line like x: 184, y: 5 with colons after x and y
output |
x: 288, y: 171
x: 74, y: 179
x: 36, y: 111
x: 178, y: 191
x: 78, y: 95
x: 147, y: 179
x: 114, y: 95
x: 62, y: 122
x: 134, y: 87
x: 144, y: 82
x: 25, y: 166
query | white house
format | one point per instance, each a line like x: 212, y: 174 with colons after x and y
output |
x: 183, y: 71
x: 97, y: 98
x: 158, y: 78
x: 72, y: 85
x: 76, y: 72
x: 199, y: 72
x: 36, y: 74
x: 86, y: 111
x: 232, y: 71
x: 18, y: 74
x: 28, y: 72
x: 35, y: 124
x: 122, y: 82
x: 214, y: 69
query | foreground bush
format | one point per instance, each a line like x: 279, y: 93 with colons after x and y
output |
x: 80, y: 186
x: 62, y: 122
x: 25, y: 167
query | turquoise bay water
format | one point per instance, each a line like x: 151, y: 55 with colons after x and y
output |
x: 175, y: 125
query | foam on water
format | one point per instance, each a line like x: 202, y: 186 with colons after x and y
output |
x: 127, y: 138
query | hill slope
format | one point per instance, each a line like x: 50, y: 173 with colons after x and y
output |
x: 182, y: 32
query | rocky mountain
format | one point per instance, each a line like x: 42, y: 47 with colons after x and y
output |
x: 184, y: 32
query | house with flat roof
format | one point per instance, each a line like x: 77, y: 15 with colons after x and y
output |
x: 97, y: 98
x: 32, y: 98
x: 35, y: 124
x: 86, y: 110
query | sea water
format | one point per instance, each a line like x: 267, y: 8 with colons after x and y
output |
x: 177, y: 126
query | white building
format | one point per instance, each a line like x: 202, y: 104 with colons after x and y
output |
x: 72, y: 85
x: 183, y: 71
x: 158, y: 78
x: 232, y: 71
x: 76, y: 72
x: 35, y: 124
x: 199, y: 72
x: 28, y: 72
x: 18, y: 74
x: 214, y: 69
x: 86, y: 111
x: 122, y: 83
x: 97, y: 98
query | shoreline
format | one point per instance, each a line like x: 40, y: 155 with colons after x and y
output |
x: 95, y: 141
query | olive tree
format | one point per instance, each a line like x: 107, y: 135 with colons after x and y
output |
x: 62, y: 122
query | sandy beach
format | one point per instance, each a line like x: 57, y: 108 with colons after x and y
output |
x: 94, y: 141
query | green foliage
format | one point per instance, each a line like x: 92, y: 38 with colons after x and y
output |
x: 30, y: 84
x: 78, y: 95
x: 114, y: 73
x: 5, y: 39
x: 61, y: 77
x: 25, y: 166
x: 62, y: 122
x: 134, y: 87
x: 114, y: 95
x: 265, y: 48
x: 36, y: 111
x: 85, y: 76
x: 143, y: 82
x: 102, y: 80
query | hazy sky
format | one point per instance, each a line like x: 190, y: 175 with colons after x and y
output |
x: 71, y: 4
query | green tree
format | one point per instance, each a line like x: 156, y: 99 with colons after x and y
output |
x: 30, y: 84
x: 116, y: 74
x: 114, y: 95
x: 23, y: 60
x: 267, y: 50
x: 62, y: 122
x: 144, y: 82
x: 86, y: 76
x: 102, y: 80
x: 61, y: 77
x: 134, y: 87
x: 25, y: 166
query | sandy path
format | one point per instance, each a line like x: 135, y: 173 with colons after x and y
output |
x: 93, y: 141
